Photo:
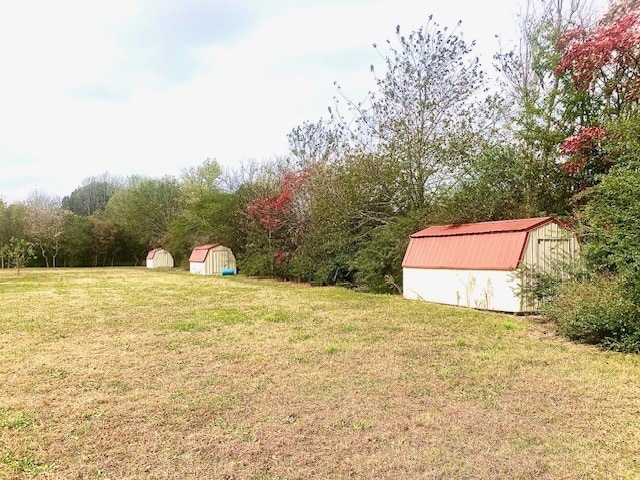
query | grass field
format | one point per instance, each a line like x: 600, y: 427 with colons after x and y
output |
x: 131, y: 373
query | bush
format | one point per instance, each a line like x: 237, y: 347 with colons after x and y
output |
x: 597, y: 311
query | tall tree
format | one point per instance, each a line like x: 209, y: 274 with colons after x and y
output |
x: 93, y: 195
x: 45, y: 225
x: 601, y: 66
x: 427, y: 116
x: 146, y: 210
x: 201, y: 180
x: 75, y: 249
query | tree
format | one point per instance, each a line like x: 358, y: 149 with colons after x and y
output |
x: 76, y: 242
x: 18, y: 252
x: 145, y: 211
x: 508, y: 181
x: 103, y: 240
x: 213, y: 217
x: 543, y: 107
x: 92, y: 196
x: 13, y: 222
x: 272, y: 223
x: 612, y: 218
x: 599, y: 71
x: 232, y: 179
x: 603, y: 60
x: 529, y: 80
x: 601, y: 67
x: 427, y: 117
x: 45, y: 225
x: 200, y: 180
x: 319, y: 142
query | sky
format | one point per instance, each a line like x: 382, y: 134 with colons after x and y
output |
x: 151, y: 87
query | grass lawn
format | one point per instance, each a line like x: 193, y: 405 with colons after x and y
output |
x: 131, y: 373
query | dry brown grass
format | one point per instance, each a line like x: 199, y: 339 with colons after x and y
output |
x: 131, y: 373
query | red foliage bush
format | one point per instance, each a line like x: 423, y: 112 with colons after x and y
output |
x: 608, y: 50
x: 581, y: 146
x: 272, y: 211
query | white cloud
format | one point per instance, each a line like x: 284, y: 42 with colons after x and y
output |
x: 82, y: 91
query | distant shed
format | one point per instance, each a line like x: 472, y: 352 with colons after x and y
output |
x: 476, y: 265
x: 212, y: 259
x: 159, y: 258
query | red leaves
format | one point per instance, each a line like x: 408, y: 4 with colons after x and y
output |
x: 587, y: 53
x: 272, y: 211
x: 581, y: 146
x: 587, y: 138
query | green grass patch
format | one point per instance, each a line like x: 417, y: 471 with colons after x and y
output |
x: 16, y: 420
x: 227, y: 316
x: 26, y: 464
x: 279, y: 316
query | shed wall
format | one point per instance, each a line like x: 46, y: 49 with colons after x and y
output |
x: 161, y: 259
x: 550, y: 249
x: 197, y: 267
x: 549, y: 246
x: 486, y: 289
x: 217, y: 259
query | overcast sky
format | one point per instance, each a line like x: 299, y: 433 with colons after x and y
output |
x: 150, y: 87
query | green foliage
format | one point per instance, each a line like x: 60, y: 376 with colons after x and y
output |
x: 201, y: 180
x: 612, y: 223
x: 597, y: 311
x: 507, y: 182
x: 92, y: 196
x: 258, y: 262
x: 539, y: 288
x: 18, y: 252
x: 211, y: 218
x: 76, y: 242
x: 378, y: 262
x: 145, y: 211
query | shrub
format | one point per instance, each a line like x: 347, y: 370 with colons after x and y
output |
x: 597, y: 311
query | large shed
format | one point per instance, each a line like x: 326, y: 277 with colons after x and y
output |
x: 159, y: 258
x: 476, y: 265
x: 212, y: 259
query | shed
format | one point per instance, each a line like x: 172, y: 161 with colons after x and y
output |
x: 159, y: 258
x: 212, y: 259
x: 477, y: 264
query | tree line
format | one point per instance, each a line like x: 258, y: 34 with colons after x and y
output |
x: 434, y: 142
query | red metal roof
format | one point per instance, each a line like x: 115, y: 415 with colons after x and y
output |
x: 199, y: 254
x: 152, y: 253
x: 474, y: 246
x: 519, y: 225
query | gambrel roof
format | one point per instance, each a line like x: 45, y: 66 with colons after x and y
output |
x: 472, y: 246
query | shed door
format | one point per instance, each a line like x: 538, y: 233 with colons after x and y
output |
x: 553, y: 253
x: 221, y: 259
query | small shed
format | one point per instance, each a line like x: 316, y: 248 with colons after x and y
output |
x: 212, y: 259
x: 159, y: 258
x: 476, y: 265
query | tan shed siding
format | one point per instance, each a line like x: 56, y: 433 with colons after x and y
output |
x: 163, y: 259
x: 219, y: 258
x: 549, y: 249
x: 549, y: 246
